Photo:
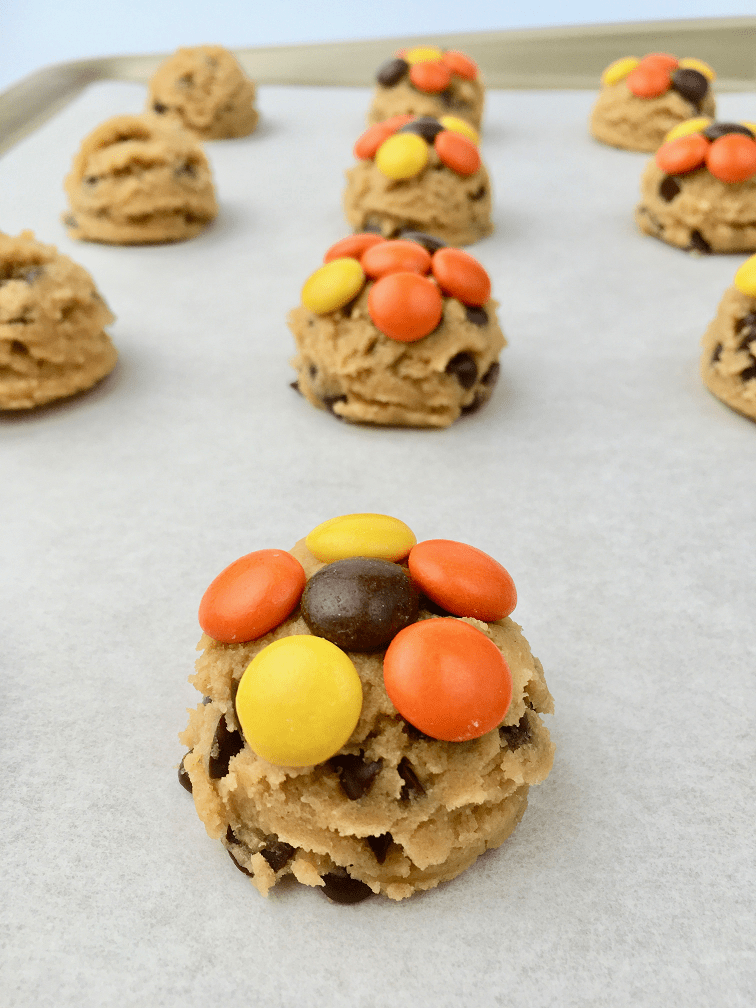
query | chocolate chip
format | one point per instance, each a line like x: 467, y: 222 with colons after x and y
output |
x: 668, y: 188
x: 491, y: 376
x: 516, y: 735
x: 70, y: 221
x: 277, y: 853
x: 414, y: 733
x: 241, y: 867
x: 226, y: 744
x: 479, y: 193
x: 91, y: 180
x: 691, y: 84
x: 312, y: 371
x: 446, y: 96
x: 429, y: 243
x: 717, y: 130
x: 372, y: 226
x: 750, y: 372
x: 717, y: 353
x: 379, y: 845
x: 184, y: 779
x: 464, y: 369
x: 356, y: 775
x: 295, y: 386
x: 425, y: 126
x: 698, y: 243
x: 412, y: 788
x: 329, y: 401
x: 473, y: 407
x: 18, y: 347
x: 206, y: 700
x: 340, y: 887
x: 391, y: 72
x: 359, y: 604
x: 187, y: 168
x: 478, y: 316
x: 159, y: 108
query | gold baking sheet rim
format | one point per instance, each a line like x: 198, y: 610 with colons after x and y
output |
x: 541, y: 58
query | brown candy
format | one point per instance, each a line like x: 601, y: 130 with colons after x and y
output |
x: 691, y: 84
x: 359, y: 604
x: 425, y: 126
x: 717, y: 130
x: 391, y: 72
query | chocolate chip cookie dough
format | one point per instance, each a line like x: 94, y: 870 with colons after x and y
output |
x: 699, y: 192
x: 399, y: 332
x: 420, y: 173
x: 52, y: 319
x: 371, y: 720
x: 728, y: 362
x: 138, y: 180
x: 205, y: 90
x: 642, y: 100
x: 425, y: 81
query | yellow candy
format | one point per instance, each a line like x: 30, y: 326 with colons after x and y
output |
x: 745, y: 278
x: 422, y: 54
x: 368, y: 535
x: 333, y: 286
x: 402, y: 156
x: 687, y: 127
x: 459, y: 126
x: 749, y: 125
x: 618, y: 70
x: 689, y: 63
x: 298, y: 701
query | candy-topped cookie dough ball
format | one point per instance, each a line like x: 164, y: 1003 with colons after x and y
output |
x: 397, y: 332
x: 205, y: 90
x: 368, y: 741
x: 642, y: 100
x: 699, y: 191
x: 728, y: 362
x: 423, y: 174
x: 427, y: 81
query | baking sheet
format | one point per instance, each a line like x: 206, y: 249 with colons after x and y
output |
x: 616, y: 490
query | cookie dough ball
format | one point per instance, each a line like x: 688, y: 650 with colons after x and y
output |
x: 205, y: 90
x: 137, y: 180
x: 52, y: 338
x: 699, y: 192
x: 405, y: 793
x: 424, y: 174
x: 728, y: 362
x: 642, y: 100
x: 426, y: 81
x: 397, y: 332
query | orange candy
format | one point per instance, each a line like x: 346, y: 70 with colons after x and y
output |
x: 683, y: 154
x: 430, y: 77
x: 352, y: 246
x: 405, y: 306
x: 461, y: 277
x: 395, y: 256
x: 457, y: 152
x: 649, y: 80
x: 448, y: 679
x: 732, y: 158
x: 251, y: 596
x: 661, y: 59
x: 373, y: 137
x: 460, y: 64
x: 463, y: 580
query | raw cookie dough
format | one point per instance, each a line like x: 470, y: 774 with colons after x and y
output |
x: 427, y: 81
x: 728, y: 362
x: 138, y: 180
x: 347, y: 365
x: 393, y: 811
x: 52, y: 338
x: 205, y: 90
x: 642, y: 100
x: 440, y: 195
x: 687, y: 198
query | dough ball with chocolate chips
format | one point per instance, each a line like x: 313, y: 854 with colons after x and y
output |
x: 139, y: 180
x: 52, y: 337
x: 728, y: 362
x: 205, y: 90
x: 394, y: 811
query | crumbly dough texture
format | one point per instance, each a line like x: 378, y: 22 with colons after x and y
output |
x: 139, y: 180
x: 463, y: 98
x: 205, y: 90
x: 437, y: 201
x: 471, y: 796
x: 345, y: 364
x: 622, y: 119
x: 705, y: 215
x: 52, y: 318
x: 728, y: 362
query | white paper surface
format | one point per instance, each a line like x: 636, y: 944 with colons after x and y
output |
x: 615, y: 489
